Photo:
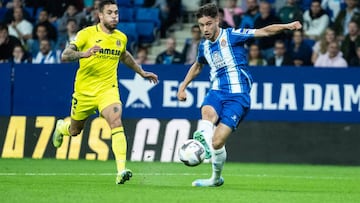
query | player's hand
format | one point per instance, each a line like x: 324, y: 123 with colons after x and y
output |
x: 91, y: 51
x: 181, y: 95
x: 295, y: 25
x: 151, y: 77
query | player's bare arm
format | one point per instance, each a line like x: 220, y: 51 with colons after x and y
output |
x: 276, y: 28
x: 194, y: 71
x: 129, y: 61
x: 71, y: 53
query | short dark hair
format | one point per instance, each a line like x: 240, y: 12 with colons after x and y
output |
x: 209, y: 9
x: 195, y: 27
x: 3, y: 26
x: 71, y: 20
x: 105, y: 2
x: 221, y: 10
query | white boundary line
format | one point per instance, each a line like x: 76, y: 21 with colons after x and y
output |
x: 184, y: 174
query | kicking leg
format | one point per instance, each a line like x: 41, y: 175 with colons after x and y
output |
x: 205, y: 130
x: 222, y: 132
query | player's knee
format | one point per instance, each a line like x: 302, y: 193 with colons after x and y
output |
x: 217, y: 144
x: 115, y: 123
x: 208, y: 113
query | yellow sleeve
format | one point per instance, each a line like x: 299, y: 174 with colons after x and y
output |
x: 80, y: 39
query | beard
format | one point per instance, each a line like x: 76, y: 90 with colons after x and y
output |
x: 110, y: 26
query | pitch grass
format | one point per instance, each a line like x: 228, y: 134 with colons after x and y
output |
x: 50, y: 180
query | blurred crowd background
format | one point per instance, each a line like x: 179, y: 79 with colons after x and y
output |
x: 166, y: 31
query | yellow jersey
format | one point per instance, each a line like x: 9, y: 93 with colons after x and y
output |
x: 98, y: 72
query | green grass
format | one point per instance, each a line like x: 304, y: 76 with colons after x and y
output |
x: 50, y: 180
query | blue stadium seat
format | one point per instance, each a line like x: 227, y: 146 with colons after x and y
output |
x: 148, y: 15
x: 138, y: 3
x: 147, y: 32
x: 129, y: 29
x: 125, y: 3
x: 126, y: 14
x: 30, y: 10
x: 2, y: 13
x: 37, y: 13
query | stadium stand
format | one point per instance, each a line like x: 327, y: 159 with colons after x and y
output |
x: 129, y: 28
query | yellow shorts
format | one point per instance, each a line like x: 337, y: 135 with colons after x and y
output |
x: 83, y: 105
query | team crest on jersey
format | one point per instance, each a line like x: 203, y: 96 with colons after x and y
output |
x: 118, y: 43
x: 223, y: 42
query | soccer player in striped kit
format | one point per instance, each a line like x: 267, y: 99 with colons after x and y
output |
x: 228, y: 100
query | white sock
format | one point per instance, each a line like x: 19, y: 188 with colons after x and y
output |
x: 218, y: 161
x: 207, y: 129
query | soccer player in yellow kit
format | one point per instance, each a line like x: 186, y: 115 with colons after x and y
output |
x: 99, y: 49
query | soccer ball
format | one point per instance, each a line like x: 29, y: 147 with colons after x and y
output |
x: 192, y: 153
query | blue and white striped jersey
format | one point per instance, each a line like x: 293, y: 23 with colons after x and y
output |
x: 227, y: 59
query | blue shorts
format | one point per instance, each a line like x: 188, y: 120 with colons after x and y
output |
x: 230, y: 107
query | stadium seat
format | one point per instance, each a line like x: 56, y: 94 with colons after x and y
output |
x: 147, y: 31
x: 148, y: 15
x: 126, y: 14
x: 37, y: 13
x: 124, y: 3
x: 2, y: 13
x: 30, y: 11
x: 138, y: 3
x: 129, y: 29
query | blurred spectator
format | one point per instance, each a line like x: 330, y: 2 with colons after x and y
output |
x: 281, y: 58
x: 267, y: 17
x: 71, y: 12
x: 252, y: 12
x: 19, y: 55
x: 43, y: 19
x: 321, y: 45
x: 332, y: 7
x: 255, y: 58
x: 57, y: 8
x: 33, y: 44
x: 9, y: 15
x: 7, y: 43
x: 232, y: 13
x: 351, y: 41
x: 71, y: 30
x: 20, y: 28
x: 45, y: 55
x: 316, y: 20
x: 332, y: 58
x: 170, y: 11
x: 355, y: 61
x: 191, y: 45
x: 290, y: 12
x: 351, y: 13
x: 222, y: 23
x: 170, y: 55
x: 142, y: 56
x: 299, y: 51
x: 91, y: 15
x: 88, y: 4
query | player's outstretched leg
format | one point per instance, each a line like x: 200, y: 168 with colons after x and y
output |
x: 61, y: 129
x: 123, y: 176
x: 199, y: 136
x: 218, y: 161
